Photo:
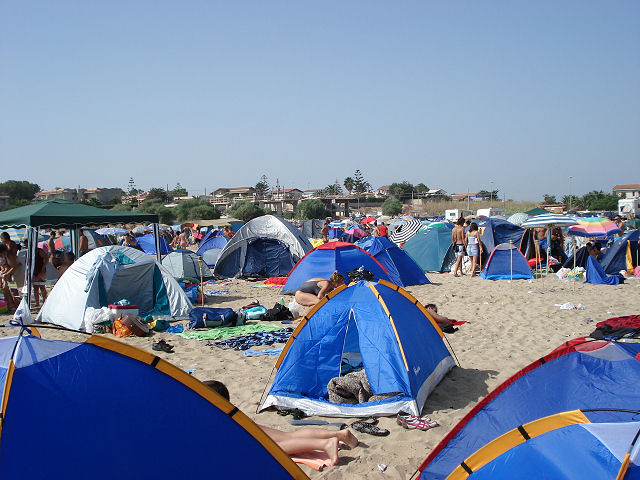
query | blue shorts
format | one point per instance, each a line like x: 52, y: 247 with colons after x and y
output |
x: 473, y: 250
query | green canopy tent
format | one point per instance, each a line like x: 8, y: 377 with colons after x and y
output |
x: 536, y: 211
x: 66, y: 214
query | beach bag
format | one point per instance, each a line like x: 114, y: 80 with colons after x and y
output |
x: 120, y: 330
x: 278, y: 313
x: 255, y: 313
x: 135, y: 325
x: 202, y: 317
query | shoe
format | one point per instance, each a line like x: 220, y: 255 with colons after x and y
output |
x: 412, y: 422
x: 162, y: 346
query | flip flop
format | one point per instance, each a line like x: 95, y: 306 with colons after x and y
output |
x: 369, y: 426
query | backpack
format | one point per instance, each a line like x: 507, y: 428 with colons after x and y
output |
x: 278, y: 313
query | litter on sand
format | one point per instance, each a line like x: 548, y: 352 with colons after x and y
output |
x: 570, y: 306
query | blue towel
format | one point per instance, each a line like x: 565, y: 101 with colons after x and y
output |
x: 597, y: 275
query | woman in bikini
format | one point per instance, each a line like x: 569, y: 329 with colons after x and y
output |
x: 474, y: 246
x: 314, y: 289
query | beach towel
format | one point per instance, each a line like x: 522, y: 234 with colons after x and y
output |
x: 228, y: 332
x: 315, y: 459
x: 597, y: 276
x: 246, y: 342
x: 276, y: 281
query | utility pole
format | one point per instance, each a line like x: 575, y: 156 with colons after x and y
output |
x: 491, y: 194
x: 570, y: 177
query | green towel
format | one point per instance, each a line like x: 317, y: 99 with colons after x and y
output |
x: 228, y: 332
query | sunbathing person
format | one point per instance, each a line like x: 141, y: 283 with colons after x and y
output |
x: 304, y: 440
x: 314, y: 289
x: 444, y: 323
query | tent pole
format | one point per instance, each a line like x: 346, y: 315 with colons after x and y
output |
x: 511, y: 259
x: 74, y: 232
x: 573, y: 241
x: 156, y: 238
x: 201, y: 282
x: 28, y: 269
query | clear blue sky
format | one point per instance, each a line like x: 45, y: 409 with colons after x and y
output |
x: 454, y: 94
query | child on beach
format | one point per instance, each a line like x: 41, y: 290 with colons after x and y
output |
x: 304, y: 440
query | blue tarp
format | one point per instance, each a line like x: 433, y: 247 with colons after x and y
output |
x: 402, y: 269
x: 327, y: 258
x: 606, y: 377
x: 595, y: 274
x: 616, y: 257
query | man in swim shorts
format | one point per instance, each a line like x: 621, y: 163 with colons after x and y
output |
x: 459, y: 243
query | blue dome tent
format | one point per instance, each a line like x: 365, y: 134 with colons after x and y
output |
x: 505, y: 263
x: 211, y: 246
x: 401, y: 268
x: 589, y: 450
x: 580, y: 374
x: 398, y: 343
x: 104, y: 406
x: 431, y: 248
x: 327, y: 258
x: 148, y: 244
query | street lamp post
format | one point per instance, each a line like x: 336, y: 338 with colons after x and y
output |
x: 491, y: 194
x: 570, y: 177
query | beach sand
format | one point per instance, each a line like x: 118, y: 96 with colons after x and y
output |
x: 510, y: 325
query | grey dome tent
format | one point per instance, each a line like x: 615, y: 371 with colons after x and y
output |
x: 266, y: 246
x: 185, y: 263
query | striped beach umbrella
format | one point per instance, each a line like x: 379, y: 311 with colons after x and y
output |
x: 112, y: 231
x: 594, y: 227
x: 549, y: 220
x: 405, y: 231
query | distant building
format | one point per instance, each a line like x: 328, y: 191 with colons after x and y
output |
x: 463, y: 196
x: 311, y: 193
x: 435, y: 192
x: 287, y: 194
x: 101, y: 195
x: 383, y: 190
x: 631, y: 190
x: 4, y: 201
x: 234, y: 192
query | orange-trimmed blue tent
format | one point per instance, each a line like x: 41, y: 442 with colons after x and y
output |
x: 600, y: 377
x: 327, y: 258
x: 378, y: 326
x: 101, y: 409
x: 563, y: 446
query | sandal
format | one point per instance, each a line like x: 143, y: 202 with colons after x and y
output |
x: 162, y: 346
x: 368, y: 425
x: 412, y: 422
x: 295, y: 412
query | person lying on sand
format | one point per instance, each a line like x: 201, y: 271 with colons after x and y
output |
x: 304, y: 440
x: 314, y: 289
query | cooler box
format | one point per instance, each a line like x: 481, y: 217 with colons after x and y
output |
x: 124, y: 310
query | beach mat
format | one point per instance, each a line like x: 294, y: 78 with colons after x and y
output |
x: 228, y: 332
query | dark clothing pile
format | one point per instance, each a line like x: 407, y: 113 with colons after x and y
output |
x: 246, y: 342
x: 354, y: 388
x: 618, y: 327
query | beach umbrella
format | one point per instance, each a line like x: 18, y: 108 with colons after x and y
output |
x: 518, y: 218
x: 112, y: 231
x: 140, y: 229
x: 549, y: 220
x: 368, y: 220
x: 356, y: 232
x: 594, y: 227
x: 405, y: 231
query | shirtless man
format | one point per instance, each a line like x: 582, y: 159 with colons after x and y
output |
x: 13, y: 264
x: 459, y: 243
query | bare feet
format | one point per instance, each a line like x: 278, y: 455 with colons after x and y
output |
x: 348, y: 438
x: 331, y: 449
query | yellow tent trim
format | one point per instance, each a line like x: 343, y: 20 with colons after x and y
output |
x: 205, y: 392
x: 393, y: 325
x: 515, y: 437
x: 5, y: 391
x: 629, y: 259
x: 415, y: 301
x: 304, y: 320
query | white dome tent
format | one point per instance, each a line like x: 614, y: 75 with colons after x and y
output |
x: 109, y: 274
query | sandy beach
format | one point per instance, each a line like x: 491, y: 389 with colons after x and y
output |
x: 510, y: 325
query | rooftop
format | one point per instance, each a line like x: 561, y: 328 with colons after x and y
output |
x: 628, y: 186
